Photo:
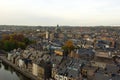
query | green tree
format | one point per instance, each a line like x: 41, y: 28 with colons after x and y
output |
x: 21, y: 45
x: 26, y: 41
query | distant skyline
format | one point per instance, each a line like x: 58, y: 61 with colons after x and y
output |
x: 62, y: 12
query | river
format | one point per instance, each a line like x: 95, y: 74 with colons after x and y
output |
x: 8, y: 73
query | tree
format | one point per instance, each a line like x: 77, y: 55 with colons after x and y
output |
x: 68, y: 47
x: 21, y: 45
x: 26, y: 41
x: 14, y: 41
x: 5, y: 37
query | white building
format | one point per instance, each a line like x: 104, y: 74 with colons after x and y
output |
x: 47, y: 35
x: 35, y: 69
x: 9, y: 56
x: 21, y: 63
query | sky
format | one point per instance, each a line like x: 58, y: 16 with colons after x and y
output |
x: 62, y: 12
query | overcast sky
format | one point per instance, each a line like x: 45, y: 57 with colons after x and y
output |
x: 62, y: 12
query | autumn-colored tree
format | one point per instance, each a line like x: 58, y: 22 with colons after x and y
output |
x: 20, y: 37
x: 68, y: 47
x: 17, y: 37
x: 69, y: 44
x: 5, y: 37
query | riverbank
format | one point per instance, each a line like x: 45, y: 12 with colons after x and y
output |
x: 25, y: 73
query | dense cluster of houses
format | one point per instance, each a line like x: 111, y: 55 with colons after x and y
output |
x: 80, y: 64
x: 96, y: 56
